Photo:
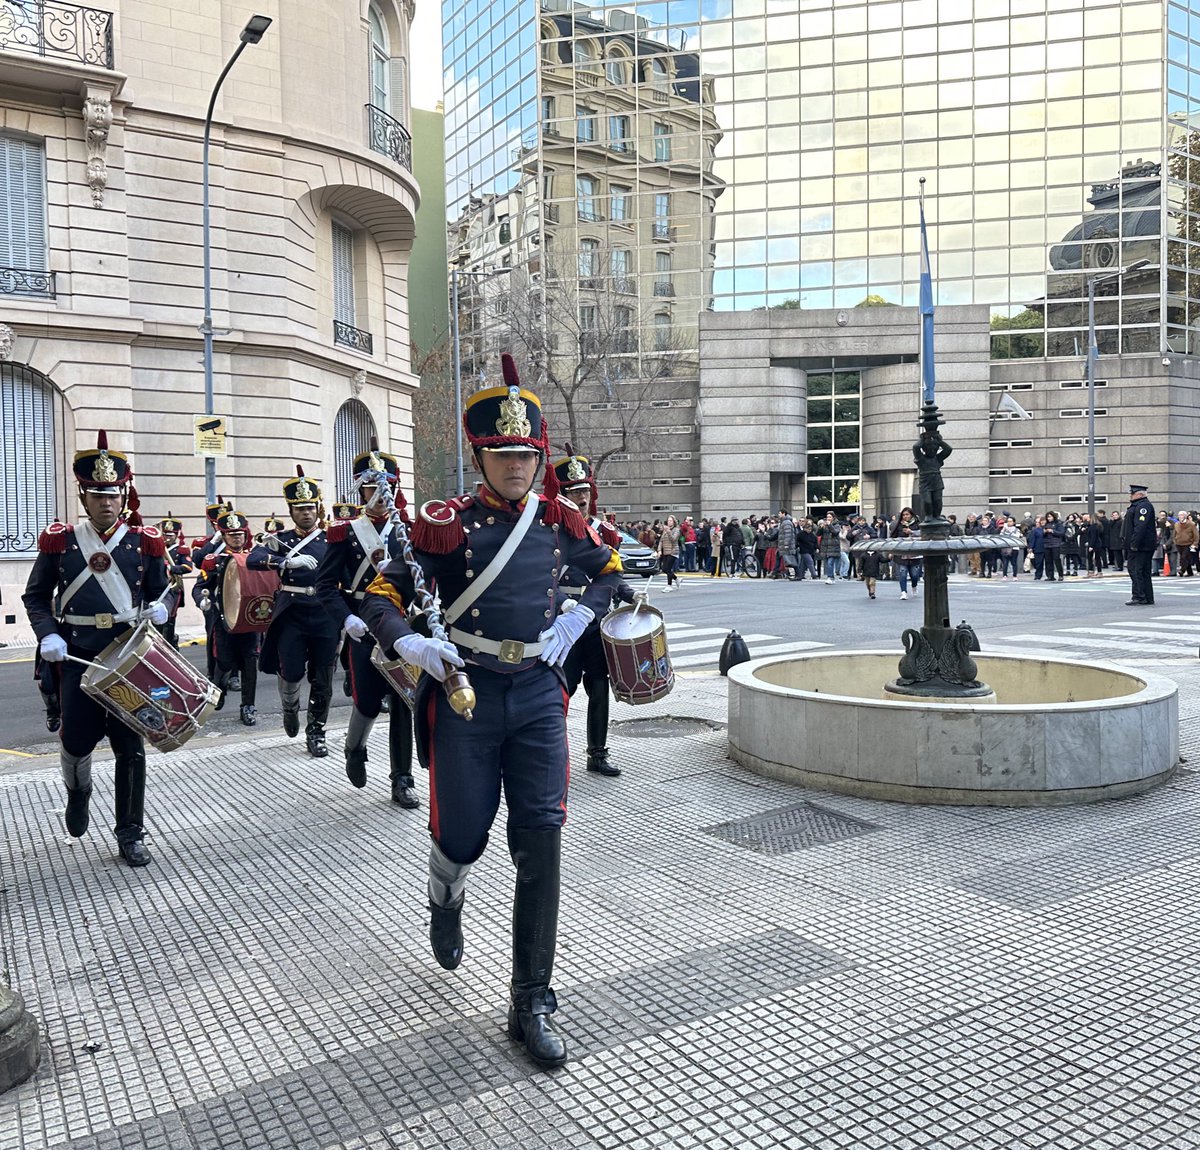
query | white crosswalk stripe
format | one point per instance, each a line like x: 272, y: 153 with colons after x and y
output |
x: 1161, y: 636
x: 701, y: 646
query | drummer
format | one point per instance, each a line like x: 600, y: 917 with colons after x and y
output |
x: 91, y: 581
x: 586, y: 660
x: 212, y: 544
x: 359, y: 547
x: 503, y: 624
x: 236, y: 654
x: 179, y: 564
x: 302, y: 639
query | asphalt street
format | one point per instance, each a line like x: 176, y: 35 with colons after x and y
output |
x: 1084, y: 617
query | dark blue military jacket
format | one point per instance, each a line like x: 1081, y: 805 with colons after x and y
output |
x: 345, y: 573
x: 1141, y: 530
x: 139, y: 558
x: 299, y: 585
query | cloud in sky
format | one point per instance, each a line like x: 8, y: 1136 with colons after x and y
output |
x: 425, y: 39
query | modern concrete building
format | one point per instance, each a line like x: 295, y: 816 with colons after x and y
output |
x: 313, y: 200
x: 582, y: 225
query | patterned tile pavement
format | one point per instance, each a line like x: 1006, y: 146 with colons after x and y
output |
x: 992, y: 979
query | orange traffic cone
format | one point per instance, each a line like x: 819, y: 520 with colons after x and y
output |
x: 1166, y: 564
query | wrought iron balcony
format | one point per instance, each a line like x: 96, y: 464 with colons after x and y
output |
x: 664, y: 287
x: 352, y: 337
x: 389, y: 137
x: 663, y: 231
x: 24, y: 281
x: 57, y: 30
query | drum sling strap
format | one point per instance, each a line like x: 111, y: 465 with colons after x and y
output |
x: 370, y: 541
x: 111, y: 581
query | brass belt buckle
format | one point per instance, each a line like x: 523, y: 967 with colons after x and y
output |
x: 104, y: 622
x: 511, y: 651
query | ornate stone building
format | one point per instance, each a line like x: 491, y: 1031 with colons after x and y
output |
x: 102, y: 113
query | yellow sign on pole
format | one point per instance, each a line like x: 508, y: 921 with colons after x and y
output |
x: 209, y: 433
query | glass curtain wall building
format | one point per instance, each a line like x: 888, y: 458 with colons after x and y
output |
x: 1060, y: 143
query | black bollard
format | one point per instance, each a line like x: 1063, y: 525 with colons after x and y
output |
x: 733, y: 652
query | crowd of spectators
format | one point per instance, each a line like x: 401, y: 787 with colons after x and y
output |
x: 1050, y: 546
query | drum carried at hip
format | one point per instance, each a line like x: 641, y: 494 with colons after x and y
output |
x: 245, y: 597
x: 142, y: 680
x: 635, y: 648
x: 402, y: 677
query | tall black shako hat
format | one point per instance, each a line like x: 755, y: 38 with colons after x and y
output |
x: 574, y: 472
x: 103, y: 472
x: 301, y: 491
x: 375, y: 460
x: 171, y: 524
x: 214, y: 511
x: 509, y: 418
x: 233, y: 521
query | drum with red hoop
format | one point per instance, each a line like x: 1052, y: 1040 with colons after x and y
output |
x: 402, y: 677
x: 635, y: 648
x: 142, y: 680
x: 247, y: 596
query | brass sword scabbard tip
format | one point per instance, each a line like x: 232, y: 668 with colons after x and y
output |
x: 461, y: 695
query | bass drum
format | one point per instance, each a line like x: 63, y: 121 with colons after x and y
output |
x: 635, y: 648
x: 142, y: 680
x: 247, y: 596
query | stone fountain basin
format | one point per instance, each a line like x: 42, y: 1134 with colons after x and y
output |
x: 1060, y: 731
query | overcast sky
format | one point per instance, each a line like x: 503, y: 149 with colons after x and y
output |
x: 426, y: 42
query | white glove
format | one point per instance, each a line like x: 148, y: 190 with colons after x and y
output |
x: 157, y: 613
x: 53, y: 648
x: 564, y: 632
x: 641, y: 597
x: 436, y: 656
x: 204, y: 603
x: 300, y: 563
x: 354, y: 627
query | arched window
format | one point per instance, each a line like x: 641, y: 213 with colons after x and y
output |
x: 660, y: 74
x: 380, y: 78
x: 586, y: 55
x: 615, y: 68
x: 550, y: 50
x: 353, y: 428
x: 27, y: 458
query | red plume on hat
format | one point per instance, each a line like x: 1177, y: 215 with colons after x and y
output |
x: 299, y: 471
x: 101, y: 440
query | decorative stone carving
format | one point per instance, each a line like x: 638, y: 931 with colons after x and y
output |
x: 97, y: 119
x: 7, y: 338
x: 358, y: 381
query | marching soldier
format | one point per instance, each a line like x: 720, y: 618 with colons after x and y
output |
x: 342, y: 512
x: 90, y: 583
x: 358, y: 548
x: 586, y: 661
x: 212, y: 544
x: 236, y: 654
x: 495, y: 559
x: 301, y: 638
x: 1140, y: 540
x: 179, y: 564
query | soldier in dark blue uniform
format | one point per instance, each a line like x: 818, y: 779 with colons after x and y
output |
x: 212, y: 544
x: 360, y: 546
x: 495, y: 560
x: 91, y: 582
x: 301, y: 638
x: 236, y: 654
x: 179, y: 563
x: 586, y: 661
x: 1140, y: 538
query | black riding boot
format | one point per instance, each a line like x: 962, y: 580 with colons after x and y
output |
x: 597, y: 727
x: 447, y: 890
x: 535, y: 929
x: 400, y: 743
x: 77, y: 778
x: 289, y: 696
x: 130, y: 788
x: 320, y: 695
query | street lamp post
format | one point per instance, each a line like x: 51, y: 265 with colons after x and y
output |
x: 251, y: 34
x: 455, y: 272
x: 1092, y: 356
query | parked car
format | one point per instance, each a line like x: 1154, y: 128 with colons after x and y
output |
x: 637, y: 558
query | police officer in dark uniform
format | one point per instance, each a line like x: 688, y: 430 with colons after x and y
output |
x: 359, y: 547
x: 301, y: 638
x: 586, y: 661
x: 213, y: 544
x: 1140, y: 538
x: 236, y: 654
x: 179, y: 564
x: 90, y: 583
x: 495, y: 560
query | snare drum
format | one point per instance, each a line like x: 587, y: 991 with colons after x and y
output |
x: 247, y: 596
x: 402, y: 677
x: 635, y: 647
x: 143, y: 681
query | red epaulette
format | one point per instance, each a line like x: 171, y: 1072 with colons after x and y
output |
x: 208, y: 563
x: 561, y: 512
x: 438, y: 529
x: 338, y: 532
x: 609, y: 535
x: 53, y: 541
x: 153, y: 543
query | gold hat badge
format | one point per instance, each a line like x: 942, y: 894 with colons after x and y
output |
x: 375, y: 463
x: 104, y: 471
x: 575, y: 471
x: 514, y: 415
x: 303, y: 491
